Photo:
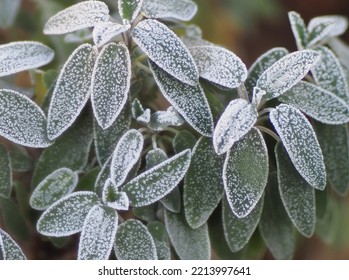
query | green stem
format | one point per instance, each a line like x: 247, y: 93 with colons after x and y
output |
x: 269, y: 132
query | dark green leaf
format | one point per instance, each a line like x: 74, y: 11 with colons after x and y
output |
x: 20, y: 161
x: 129, y: 10
x: 299, y: 30
x: 5, y: 173
x: 161, y: 240
x: 183, y: 140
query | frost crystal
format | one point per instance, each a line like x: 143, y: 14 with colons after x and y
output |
x: 105, y: 31
x: 299, y: 30
x: 78, y: 16
x: 5, y: 173
x: 129, y: 9
x: 9, y: 250
x: 162, y: 119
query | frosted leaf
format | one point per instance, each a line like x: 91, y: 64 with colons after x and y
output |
x: 162, y: 119
x: 202, y: 194
x: 193, y: 37
x: 103, y: 176
x: 342, y: 51
x: 261, y: 64
x: 296, y: 194
x: 98, y: 234
x: 72, y: 90
x: 134, y: 242
x: 189, y: 101
x: 334, y: 142
x: 171, y: 56
x: 183, y: 140
x: 237, y: 120
x: 275, y: 226
x: 110, y: 83
x: 245, y: 173
x: 9, y: 250
x: 287, y: 72
x: 181, y: 9
x: 157, y: 182
x: 54, y: 187
x: 66, y: 216
x: 103, y: 32
x: 189, y: 244
x: 78, y: 37
x: 161, y: 240
x: 21, y: 120
x: 19, y: 56
x: 238, y: 231
x: 193, y: 31
x: 20, y: 160
x: 257, y: 96
x: 334, y: 80
x: 8, y: 12
x: 129, y: 9
x: 5, y: 173
x: 318, y: 103
x: 219, y: 66
x: 299, y: 30
x: 299, y: 139
x: 113, y: 198
x: 126, y: 155
x: 138, y: 112
x: 78, y: 16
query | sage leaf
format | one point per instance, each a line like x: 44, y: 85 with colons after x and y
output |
x: 8, y: 12
x: 20, y: 160
x: 98, y: 234
x: 103, y: 32
x: 134, y: 242
x: 162, y: 119
x: 66, y: 216
x: 299, y: 139
x: 161, y: 240
x: 20, y: 56
x: 22, y: 121
x: 78, y: 16
x: 173, y: 57
x: 299, y: 30
x: 5, y: 173
x: 9, y: 250
x: 341, y: 50
x: 183, y: 140
x: 113, y: 198
x: 103, y: 176
x: 129, y: 10
x: 110, y: 83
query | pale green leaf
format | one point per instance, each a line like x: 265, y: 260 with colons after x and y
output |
x: 9, y: 249
x: 5, y: 173
x: 129, y: 9
x: 161, y: 240
x: 299, y: 30
x: 162, y: 119
x: 103, y: 32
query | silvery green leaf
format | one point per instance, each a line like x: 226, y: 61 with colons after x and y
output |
x: 257, y: 96
x: 137, y: 109
x: 181, y: 9
x: 299, y: 139
x: 245, y: 173
x: 103, y: 176
x: 173, y: 57
x: 113, y: 198
x: 202, y: 194
x: 78, y: 37
x: 189, y: 244
x: 21, y: 120
x: 219, y: 66
x: 110, y: 83
x: 55, y: 186
x: 5, y: 173
x: 237, y: 120
x: 66, y: 216
x: 287, y: 72
x: 72, y: 90
x: 9, y: 250
x: 334, y: 142
x: 296, y: 194
x: 20, y: 160
x: 275, y: 226
x: 183, y: 140
x: 78, y: 16
x: 318, y: 103
x: 238, y: 231
x: 129, y: 9
x: 161, y: 240
x: 333, y: 80
x: 8, y: 12
x: 19, y: 56
x: 299, y: 30
x: 342, y: 51
x: 162, y: 119
x: 157, y: 182
x: 134, y: 242
x: 189, y: 101
x: 98, y: 234
x: 126, y: 155
x: 103, y: 32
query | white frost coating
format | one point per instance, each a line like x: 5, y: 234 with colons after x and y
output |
x: 19, y: 56
x: 299, y: 30
x: 113, y: 198
x: 10, y: 250
x: 98, y: 234
x: 78, y: 16
x: 105, y: 31
x: 55, y: 186
x: 300, y: 141
x: 134, y: 242
x: 183, y: 10
x: 342, y: 51
x: 162, y: 119
x: 157, y: 182
x: 257, y: 96
x: 189, y: 101
x: 164, y: 48
x: 72, y: 90
x: 5, y: 173
x: 22, y: 121
x: 129, y: 9
x: 110, y: 83
x: 219, y: 66
x: 287, y: 72
x: 66, y: 216
x: 245, y: 173
x: 145, y: 117
x: 237, y: 120
x: 126, y: 155
x: 318, y: 103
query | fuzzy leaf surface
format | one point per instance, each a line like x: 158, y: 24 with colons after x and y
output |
x: 9, y: 250
x: 129, y: 9
x: 113, y: 198
x: 299, y: 30
x: 161, y: 240
x: 5, y: 173
x: 183, y: 140
x: 105, y: 31
x: 162, y: 119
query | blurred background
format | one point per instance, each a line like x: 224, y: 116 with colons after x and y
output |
x: 246, y: 27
